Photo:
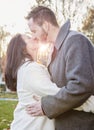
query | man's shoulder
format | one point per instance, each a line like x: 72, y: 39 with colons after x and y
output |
x: 73, y: 33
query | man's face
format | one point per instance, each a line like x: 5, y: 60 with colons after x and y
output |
x: 37, y: 31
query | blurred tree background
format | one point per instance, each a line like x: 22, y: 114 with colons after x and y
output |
x: 80, y: 13
x: 3, y: 46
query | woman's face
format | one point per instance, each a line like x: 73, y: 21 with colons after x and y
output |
x: 31, y: 45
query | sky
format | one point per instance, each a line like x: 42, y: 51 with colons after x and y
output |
x: 12, y: 13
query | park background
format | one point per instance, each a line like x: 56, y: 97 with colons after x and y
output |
x: 12, y: 21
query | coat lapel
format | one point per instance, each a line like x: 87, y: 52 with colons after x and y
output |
x: 62, y: 34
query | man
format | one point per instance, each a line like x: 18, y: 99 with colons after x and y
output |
x: 71, y: 68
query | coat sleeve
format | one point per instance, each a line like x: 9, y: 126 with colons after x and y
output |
x: 88, y: 106
x: 38, y: 80
x: 79, y: 79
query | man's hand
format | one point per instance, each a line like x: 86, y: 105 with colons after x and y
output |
x: 35, y: 108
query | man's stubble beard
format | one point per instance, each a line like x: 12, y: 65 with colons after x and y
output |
x: 45, y: 36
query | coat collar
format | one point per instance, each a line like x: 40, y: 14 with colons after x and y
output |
x: 62, y: 34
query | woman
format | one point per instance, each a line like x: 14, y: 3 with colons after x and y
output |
x: 28, y: 78
x: 24, y: 75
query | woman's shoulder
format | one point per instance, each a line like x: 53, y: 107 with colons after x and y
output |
x: 31, y: 65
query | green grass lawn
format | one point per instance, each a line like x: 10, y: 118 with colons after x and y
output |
x: 6, y: 113
x: 6, y: 110
x: 8, y: 95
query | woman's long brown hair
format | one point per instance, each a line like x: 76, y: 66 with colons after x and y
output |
x: 16, y: 54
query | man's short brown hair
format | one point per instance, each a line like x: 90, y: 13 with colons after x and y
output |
x: 41, y: 14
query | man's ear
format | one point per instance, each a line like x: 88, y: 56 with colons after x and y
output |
x: 45, y: 26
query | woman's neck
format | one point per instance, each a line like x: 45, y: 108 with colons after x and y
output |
x: 34, y: 56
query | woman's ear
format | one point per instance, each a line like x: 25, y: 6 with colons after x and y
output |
x: 45, y: 26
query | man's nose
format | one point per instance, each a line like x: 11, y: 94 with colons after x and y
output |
x: 35, y: 41
x: 34, y: 37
